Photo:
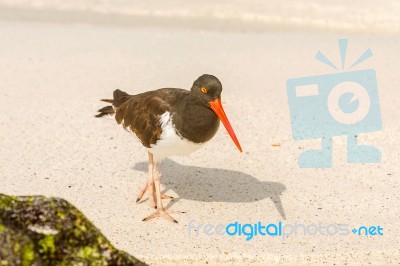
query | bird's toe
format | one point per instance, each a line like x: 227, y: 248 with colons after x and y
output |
x: 160, y: 213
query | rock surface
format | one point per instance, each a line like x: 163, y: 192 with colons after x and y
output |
x: 36, y: 230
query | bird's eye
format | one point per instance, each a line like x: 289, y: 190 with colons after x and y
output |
x: 203, y: 90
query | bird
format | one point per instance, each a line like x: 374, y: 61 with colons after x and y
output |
x: 170, y: 122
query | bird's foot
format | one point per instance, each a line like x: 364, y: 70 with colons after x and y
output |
x: 160, y: 213
x: 152, y: 201
x: 149, y: 187
x: 163, y: 196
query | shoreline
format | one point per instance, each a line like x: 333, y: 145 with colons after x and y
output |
x: 251, y: 22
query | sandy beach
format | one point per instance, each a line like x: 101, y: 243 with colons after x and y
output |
x: 58, y: 60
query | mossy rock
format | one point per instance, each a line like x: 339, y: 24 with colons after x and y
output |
x: 37, y: 230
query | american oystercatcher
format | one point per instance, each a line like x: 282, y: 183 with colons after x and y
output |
x: 170, y: 122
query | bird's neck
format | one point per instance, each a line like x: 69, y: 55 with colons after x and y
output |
x: 195, y: 121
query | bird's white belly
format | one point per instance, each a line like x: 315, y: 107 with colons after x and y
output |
x: 170, y: 143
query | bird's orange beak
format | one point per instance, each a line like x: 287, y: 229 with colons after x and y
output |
x: 216, y: 106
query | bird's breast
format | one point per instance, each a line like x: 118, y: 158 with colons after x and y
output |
x: 171, y: 142
x: 196, y: 123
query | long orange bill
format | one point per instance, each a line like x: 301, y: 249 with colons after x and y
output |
x: 216, y: 106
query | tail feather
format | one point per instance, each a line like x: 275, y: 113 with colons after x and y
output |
x: 108, y: 110
x: 107, y: 100
x: 119, y: 98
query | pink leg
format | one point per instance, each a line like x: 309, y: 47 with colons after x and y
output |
x: 149, y: 186
x: 160, y: 212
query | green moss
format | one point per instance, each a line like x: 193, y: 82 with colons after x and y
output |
x: 6, y: 201
x: 89, y: 253
x: 101, y: 240
x: 61, y: 215
x: 77, y: 232
x: 28, y: 255
x: 47, y: 245
x: 30, y: 198
x: 79, y: 224
x: 16, y: 247
x: 2, y: 227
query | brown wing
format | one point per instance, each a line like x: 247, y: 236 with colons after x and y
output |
x: 141, y: 113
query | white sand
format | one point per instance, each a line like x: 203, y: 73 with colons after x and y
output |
x: 53, y: 74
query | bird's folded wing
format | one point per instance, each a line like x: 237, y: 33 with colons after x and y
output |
x: 141, y: 113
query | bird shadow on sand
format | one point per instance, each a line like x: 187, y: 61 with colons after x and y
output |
x: 216, y: 185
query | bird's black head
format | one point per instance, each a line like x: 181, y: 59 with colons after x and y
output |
x: 207, y: 88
